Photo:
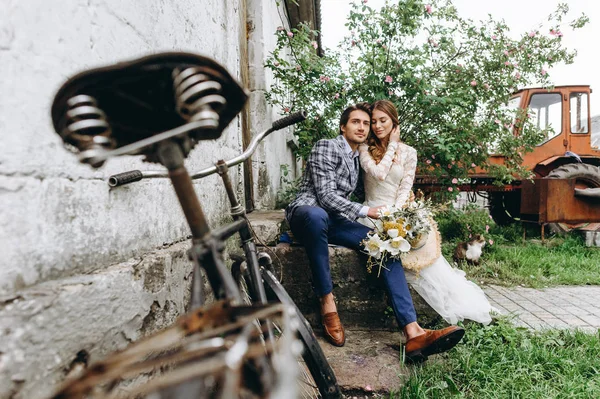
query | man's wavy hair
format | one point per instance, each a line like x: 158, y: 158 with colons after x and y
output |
x: 366, y: 107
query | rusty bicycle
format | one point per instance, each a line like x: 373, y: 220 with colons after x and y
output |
x: 249, y: 340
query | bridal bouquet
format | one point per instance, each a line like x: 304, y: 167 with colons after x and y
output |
x: 398, y: 231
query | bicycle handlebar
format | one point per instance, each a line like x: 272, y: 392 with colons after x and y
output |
x: 131, y: 176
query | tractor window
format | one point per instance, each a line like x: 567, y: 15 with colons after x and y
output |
x: 579, y: 112
x: 547, y: 113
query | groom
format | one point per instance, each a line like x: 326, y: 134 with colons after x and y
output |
x: 322, y: 214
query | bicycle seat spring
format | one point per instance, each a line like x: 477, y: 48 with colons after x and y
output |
x: 86, y: 126
x: 197, y: 97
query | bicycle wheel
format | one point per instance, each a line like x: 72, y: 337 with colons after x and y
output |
x: 213, y: 352
x: 315, y: 361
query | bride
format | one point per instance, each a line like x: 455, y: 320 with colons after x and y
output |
x: 389, y: 167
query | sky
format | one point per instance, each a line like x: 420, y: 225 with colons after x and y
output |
x: 520, y: 16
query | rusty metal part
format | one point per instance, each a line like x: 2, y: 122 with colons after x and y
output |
x: 189, y: 202
x: 197, y: 344
x: 554, y: 201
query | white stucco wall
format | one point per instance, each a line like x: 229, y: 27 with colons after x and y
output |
x: 85, y: 267
x: 274, y: 152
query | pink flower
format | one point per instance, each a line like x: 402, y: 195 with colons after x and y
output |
x: 517, y: 75
x: 556, y: 33
x: 390, y: 92
x: 473, y: 83
x: 507, y: 63
x: 487, y: 228
x: 497, y: 121
x: 453, y: 162
x: 532, y: 34
x: 449, y: 166
x: 494, y: 37
x: 384, y: 47
x: 388, y: 79
x: 368, y: 387
x: 298, y: 67
x: 470, y: 235
x: 450, y: 189
x: 486, y: 86
x: 290, y: 34
x: 276, y: 63
x: 353, y: 43
x: 491, y: 241
x: 455, y: 181
x: 428, y: 162
x: 286, y: 109
x: 432, y: 156
x: 315, y: 45
x: 337, y: 95
x: 378, y: 41
x: 324, y: 78
x: 365, y: 1
x: 473, y: 165
x: 543, y: 72
x: 506, y: 53
x: 428, y: 9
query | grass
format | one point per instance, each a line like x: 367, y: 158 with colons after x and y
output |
x: 559, y: 261
x: 502, y: 361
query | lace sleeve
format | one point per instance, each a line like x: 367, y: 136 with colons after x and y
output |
x: 410, y: 166
x: 378, y: 170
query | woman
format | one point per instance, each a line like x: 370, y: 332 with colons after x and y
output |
x: 389, y: 167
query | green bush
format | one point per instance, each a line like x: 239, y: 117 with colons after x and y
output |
x: 462, y: 225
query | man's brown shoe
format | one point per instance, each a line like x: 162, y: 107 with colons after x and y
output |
x: 432, y: 342
x: 334, y: 331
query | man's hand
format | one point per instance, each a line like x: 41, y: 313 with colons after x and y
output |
x: 395, y: 135
x: 373, y: 213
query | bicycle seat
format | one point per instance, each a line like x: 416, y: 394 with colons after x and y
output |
x: 114, y: 107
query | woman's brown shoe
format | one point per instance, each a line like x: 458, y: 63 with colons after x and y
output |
x: 432, y: 342
x: 334, y: 331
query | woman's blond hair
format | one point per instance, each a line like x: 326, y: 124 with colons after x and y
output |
x: 376, y: 147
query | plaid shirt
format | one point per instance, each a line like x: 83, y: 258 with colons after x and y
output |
x: 331, y: 175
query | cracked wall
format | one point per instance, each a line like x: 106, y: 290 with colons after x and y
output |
x: 87, y: 269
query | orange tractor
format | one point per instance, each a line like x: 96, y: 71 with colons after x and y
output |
x: 565, y: 191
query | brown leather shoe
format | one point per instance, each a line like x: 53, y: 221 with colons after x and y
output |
x: 432, y: 342
x: 334, y: 331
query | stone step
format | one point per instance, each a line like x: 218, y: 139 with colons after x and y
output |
x: 361, y: 297
x: 369, y: 364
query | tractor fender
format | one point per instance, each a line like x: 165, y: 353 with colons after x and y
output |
x: 545, y: 167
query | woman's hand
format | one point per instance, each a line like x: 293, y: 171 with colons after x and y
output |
x: 395, y: 134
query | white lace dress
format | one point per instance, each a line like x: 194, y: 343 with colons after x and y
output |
x: 445, y: 288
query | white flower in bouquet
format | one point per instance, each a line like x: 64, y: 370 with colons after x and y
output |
x: 374, y: 246
x: 398, y: 231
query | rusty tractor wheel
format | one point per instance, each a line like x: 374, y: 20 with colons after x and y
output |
x: 505, y: 207
x: 586, y: 176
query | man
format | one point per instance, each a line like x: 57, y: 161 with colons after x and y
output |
x: 321, y: 214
